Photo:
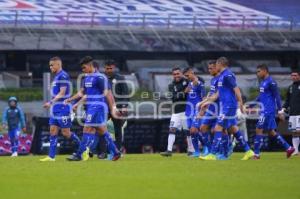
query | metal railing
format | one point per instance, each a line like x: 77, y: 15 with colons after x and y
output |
x: 142, y: 20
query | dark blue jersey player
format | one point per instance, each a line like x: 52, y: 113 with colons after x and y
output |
x: 270, y: 104
x: 195, y: 93
x: 97, y: 95
x: 229, y: 96
x: 60, y: 115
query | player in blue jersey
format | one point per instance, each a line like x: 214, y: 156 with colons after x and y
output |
x: 195, y: 93
x: 230, y: 98
x: 270, y: 104
x: 60, y: 114
x: 96, y: 94
x: 209, y: 116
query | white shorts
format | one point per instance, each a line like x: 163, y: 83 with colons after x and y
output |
x: 294, y: 123
x: 178, y: 121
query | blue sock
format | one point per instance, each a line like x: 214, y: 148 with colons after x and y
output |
x: 75, y: 139
x: 195, y: 141
x: 216, y: 142
x: 110, y: 143
x: 53, y: 143
x: 258, y: 141
x: 16, y: 144
x: 206, y: 140
x: 225, y: 144
x: 239, y: 137
x: 86, y: 140
x: 93, y: 147
x: 281, y: 141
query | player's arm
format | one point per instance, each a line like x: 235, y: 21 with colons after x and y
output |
x: 111, y: 103
x: 81, y: 101
x: 78, y: 95
x: 239, y: 98
x: 275, y: 93
x: 61, y: 94
x: 22, y: 120
x: 286, y: 104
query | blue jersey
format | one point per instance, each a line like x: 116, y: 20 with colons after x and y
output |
x: 213, y: 89
x: 226, y: 85
x: 195, y: 95
x: 61, y: 79
x: 269, y: 96
x: 94, y: 86
x: 14, y: 118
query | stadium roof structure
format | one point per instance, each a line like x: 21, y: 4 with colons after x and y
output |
x: 146, y: 39
x: 148, y: 25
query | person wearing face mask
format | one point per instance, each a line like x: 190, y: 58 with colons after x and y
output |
x: 13, y: 119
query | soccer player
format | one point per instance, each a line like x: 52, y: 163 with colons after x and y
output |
x: 209, y: 118
x: 178, y: 119
x: 270, y: 103
x: 195, y: 93
x: 96, y: 93
x: 292, y: 105
x: 13, y: 119
x: 230, y: 97
x: 60, y: 117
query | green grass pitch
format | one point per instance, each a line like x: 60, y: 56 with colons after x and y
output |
x: 151, y: 176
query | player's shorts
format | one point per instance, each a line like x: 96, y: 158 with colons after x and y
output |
x: 209, y: 120
x: 95, y: 117
x: 13, y: 133
x: 294, y: 123
x: 227, y: 118
x: 62, y: 120
x: 266, y: 122
x: 178, y: 121
x: 193, y: 122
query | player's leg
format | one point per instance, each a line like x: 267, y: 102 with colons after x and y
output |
x: 206, y: 135
x: 72, y: 136
x: 195, y: 141
x: 174, y: 124
x: 294, y: 127
x: 115, y: 153
x: 53, y: 141
x: 65, y: 124
x: 185, y: 125
x: 240, y: 138
x: 13, y: 136
x: 289, y: 149
x: 258, y: 142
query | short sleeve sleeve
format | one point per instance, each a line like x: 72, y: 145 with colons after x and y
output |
x: 231, y: 81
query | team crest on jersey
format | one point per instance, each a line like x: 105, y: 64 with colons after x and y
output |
x: 220, y: 83
x: 261, y: 89
x: 88, y: 84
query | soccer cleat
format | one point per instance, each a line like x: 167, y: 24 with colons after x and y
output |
x: 85, y: 154
x: 295, y: 153
x: 205, y: 151
x: 166, y: 154
x: 74, y: 158
x: 91, y: 154
x: 208, y: 157
x: 230, y: 150
x: 195, y: 154
x: 248, y: 155
x: 116, y: 157
x: 256, y: 157
x: 102, y: 156
x: 189, y: 153
x: 222, y: 157
x: 14, y: 154
x: 47, y: 159
x: 289, y: 152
